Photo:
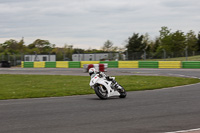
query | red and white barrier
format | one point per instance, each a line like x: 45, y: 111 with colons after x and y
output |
x: 98, y: 67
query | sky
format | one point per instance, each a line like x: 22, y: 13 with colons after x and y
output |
x: 90, y: 23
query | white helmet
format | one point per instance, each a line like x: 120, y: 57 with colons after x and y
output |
x: 92, y: 71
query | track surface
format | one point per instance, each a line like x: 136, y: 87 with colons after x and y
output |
x: 157, y: 111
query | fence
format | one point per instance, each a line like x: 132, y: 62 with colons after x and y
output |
x: 162, y: 55
x: 16, y: 59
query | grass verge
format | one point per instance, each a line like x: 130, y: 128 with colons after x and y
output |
x: 35, y: 86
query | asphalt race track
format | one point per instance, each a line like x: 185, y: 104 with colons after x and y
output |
x: 155, y: 111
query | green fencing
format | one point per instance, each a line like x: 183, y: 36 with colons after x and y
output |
x: 74, y: 64
x: 190, y: 64
x: 50, y: 64
x: 28, y: 64
x: 148, y: 64
x: 111, y: 64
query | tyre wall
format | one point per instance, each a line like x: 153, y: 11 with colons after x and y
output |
x: 169, y: 64
x: 128, y: 64
x: 114, y: 64
x: 191, y: 64
x: 62, y: 64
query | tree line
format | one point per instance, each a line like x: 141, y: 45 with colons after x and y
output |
x: 173, y: 43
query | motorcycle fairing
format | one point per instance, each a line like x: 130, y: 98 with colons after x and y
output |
x: 104, y: 82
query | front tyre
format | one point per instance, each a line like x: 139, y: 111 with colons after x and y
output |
x: 101, y: 92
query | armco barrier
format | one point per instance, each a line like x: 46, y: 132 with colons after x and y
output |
x: 111, y: 64
x: 169, y: 64
x: 88, y: 62
x: 50, y: 64
x: 62, y: 64
x: 148, y: 64
x: 74, y: 64
x: 40, y: 64
x: 128, y: 64
x: 190, y: 64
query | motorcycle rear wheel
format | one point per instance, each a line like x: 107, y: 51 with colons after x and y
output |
x: 122, y: 93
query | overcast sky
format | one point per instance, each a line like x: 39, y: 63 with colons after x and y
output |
x: 89, y: 23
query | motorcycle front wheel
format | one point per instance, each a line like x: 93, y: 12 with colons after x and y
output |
x: 101, y: 92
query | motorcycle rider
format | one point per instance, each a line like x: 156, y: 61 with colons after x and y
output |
x: 93, y: 72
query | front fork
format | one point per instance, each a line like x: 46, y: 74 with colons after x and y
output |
x: 115, y: 85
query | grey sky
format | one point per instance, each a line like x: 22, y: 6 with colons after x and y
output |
x: 89, y: 23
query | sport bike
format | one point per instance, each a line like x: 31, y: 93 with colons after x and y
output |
x: 105, y: 88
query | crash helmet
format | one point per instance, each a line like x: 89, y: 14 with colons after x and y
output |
x: 92, y: 71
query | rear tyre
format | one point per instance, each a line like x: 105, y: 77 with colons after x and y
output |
x: 101, y: 92
x: 122, y: 93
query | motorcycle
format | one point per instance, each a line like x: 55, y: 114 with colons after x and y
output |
x: 105, y: 88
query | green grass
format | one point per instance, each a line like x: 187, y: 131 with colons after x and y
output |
x: 34, y: 86
x: 137, y: 83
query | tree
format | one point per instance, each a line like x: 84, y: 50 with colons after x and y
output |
x: 135, y: 44
x: 172, y: 43
x: 198, y: 41
x: 108, y: 45
x: 178, y: 42
x: 147, y: 42
x: 165, y: 31
x: 154, y: 45
x: 12, y: 46
x: 191, y: 41
x: 43, y: 46
x: 1, y: 48
x: 68, y: 51
x: 165, y: 39
x: 79, y: 50
x: 93, y: 51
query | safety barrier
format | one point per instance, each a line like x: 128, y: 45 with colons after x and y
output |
x: 88, y: 62
x: 114, y: 64
x: 39, y: 64
x: 190, y: 64
x: 62, y: 64
x: 98, y: 67
x: 50, y: 64
x: 22, y: 64
x: 128, y: 64
x: 169, y: 64
x: 148, y: 64
x: 74, y: 64
x: 111, y: 64
x: 27, y: 64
